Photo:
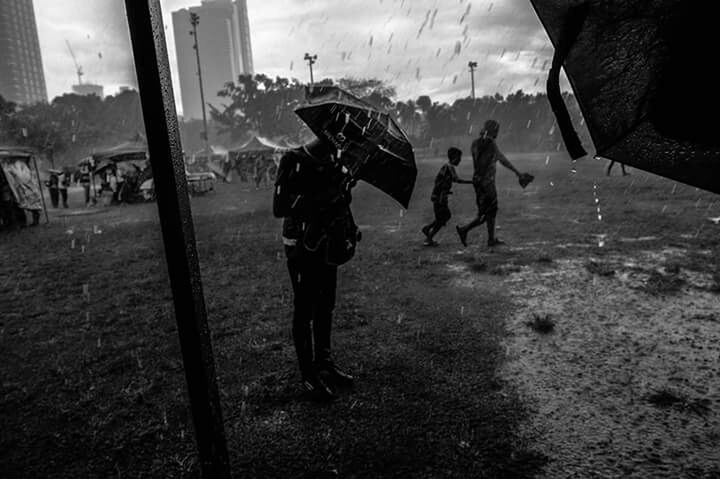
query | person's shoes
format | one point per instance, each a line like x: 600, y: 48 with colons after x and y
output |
x: 495, y: 242
x: 431, y: 242
x: 334, y: 374
x: 315, y: 387
x: 462, y: 234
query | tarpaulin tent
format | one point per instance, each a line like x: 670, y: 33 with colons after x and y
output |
x: 133, y: 152
x: 129, y: 159
x: 258, y: 144
x: 20, y: 187
x: 257, y: 157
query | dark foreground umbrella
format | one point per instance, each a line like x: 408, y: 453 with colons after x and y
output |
x: 369, y: 143
x: 642, y: 73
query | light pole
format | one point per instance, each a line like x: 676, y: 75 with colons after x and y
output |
x: 194, y: 21
x: 473, y: 66
x: 311, y: 59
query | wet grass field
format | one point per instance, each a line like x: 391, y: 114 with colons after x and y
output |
x: 452, y: 381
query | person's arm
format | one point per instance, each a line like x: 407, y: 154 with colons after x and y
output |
x: 505, y: 162
x: 457, y: 179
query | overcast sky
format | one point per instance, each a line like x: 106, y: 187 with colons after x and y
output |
x: 419, y: 46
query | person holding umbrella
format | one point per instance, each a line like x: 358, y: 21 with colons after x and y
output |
x: 312, y: 193
x: 485, y: 155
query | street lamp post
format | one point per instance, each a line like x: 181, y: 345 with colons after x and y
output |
x: 194, y: 21
x: 311, y: 59
x: 473, y: 66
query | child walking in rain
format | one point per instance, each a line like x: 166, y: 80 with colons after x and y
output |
x: 443, y: 186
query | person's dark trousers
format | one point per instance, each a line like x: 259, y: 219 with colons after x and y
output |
x: 54, y: 197
x: 314, y: 285
x: 63, y: 196
x: 442, y: 216
x: 86, y: 187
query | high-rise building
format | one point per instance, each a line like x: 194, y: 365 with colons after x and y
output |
x: 225, y: 51
x: 22, y: 79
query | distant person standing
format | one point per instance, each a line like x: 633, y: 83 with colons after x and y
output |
x: 260, y: 168
x: 485, y: 155
x: 85, y: 172
x: 8, y: 205
x: 63, y: 184
x: 441, y: 191
x: 53, y: 184
x: 622, y: 166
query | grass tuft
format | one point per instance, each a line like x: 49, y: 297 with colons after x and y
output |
x: 541, y: 323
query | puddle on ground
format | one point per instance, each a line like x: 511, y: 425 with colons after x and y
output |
x: 613, y: 346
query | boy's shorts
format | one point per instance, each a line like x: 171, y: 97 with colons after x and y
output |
x: 442, y: 212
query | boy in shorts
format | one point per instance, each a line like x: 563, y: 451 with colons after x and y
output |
x: 443, y: 186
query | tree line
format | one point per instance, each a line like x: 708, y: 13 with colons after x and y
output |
x: 265, y: 105
x: 72, y: 126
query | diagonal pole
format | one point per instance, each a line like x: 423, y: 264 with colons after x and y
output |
x: 156, y: 96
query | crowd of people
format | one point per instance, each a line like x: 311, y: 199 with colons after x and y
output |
x: 259, y: 168
x: 112, y: 185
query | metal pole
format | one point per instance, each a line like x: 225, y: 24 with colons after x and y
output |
x: 194, y: 21
x: 472, y: 66
x: 311, y: 59
x: 165, y: 150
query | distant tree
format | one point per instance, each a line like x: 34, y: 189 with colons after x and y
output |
x: 261, y: 104
x: 374, y: 91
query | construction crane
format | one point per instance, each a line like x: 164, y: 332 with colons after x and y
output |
x: 78, y: 68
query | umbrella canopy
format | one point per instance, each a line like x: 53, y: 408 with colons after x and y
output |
x: 127, y: 151
x: 641, y: 72
x: 135, y: 152
x: 369, y: 142
x: 258, y: 144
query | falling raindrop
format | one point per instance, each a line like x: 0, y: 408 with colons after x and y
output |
x: 464, y: 15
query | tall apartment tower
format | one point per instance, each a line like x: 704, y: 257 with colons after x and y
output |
x: 225, y: 50
x: 22, y: 79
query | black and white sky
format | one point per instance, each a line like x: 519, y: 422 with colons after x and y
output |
x: 419, y: 46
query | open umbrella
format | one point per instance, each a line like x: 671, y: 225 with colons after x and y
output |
x: 641, y: 71
x: 369, y: 143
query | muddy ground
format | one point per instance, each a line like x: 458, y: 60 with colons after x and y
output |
x: 586, y: 347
